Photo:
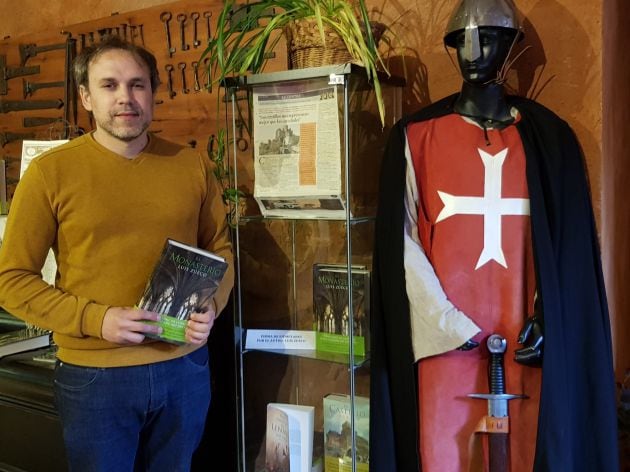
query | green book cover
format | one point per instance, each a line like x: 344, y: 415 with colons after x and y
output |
x: 338, y: 435
x: 332, y: 318
x: 184, y: 280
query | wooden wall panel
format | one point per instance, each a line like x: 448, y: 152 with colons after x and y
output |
x: 616, y: 175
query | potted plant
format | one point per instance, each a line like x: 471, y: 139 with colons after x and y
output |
x: 243, y: 36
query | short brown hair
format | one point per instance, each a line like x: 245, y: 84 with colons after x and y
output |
x: 90, y: 53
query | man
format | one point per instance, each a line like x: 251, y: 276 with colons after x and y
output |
x: 481, y: 197
x: 106, y: 202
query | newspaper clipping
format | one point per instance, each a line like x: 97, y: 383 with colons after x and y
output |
x: 297, y: 152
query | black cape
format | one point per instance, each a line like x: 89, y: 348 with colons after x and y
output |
x: 577, y: 425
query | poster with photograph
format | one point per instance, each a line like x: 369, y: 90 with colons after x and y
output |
x: 297, y: 151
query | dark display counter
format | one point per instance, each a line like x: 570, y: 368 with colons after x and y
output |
x: 30, y: 436
x: 30, y: 431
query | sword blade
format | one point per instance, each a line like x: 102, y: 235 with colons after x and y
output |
x: 499, y: 451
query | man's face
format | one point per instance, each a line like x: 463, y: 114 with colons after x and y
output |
x: 495, y: 46
x: 119, y: 96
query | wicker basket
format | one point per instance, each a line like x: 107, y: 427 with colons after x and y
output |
x: 305, y: 47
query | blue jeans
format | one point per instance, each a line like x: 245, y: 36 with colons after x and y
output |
x: 148, y: 417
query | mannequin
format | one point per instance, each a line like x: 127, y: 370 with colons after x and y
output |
x: 482, y: 97
x: 470, y: 271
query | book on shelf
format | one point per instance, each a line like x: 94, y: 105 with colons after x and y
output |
x: 183, y: 281
x: 331, y: 309
x: 290, y: 430
x: 338, y: 433
x: 23, y: 340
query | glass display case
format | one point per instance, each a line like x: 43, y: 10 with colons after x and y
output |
x: 305, y: 150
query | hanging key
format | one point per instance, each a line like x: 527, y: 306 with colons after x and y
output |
x: 169, y: 69
x: 207, y: 15
x: 182, y: 67
x: 165, y: 17
x: 29, y: 87
x: 195, y: 66
x: 181, y: 18
x: 195, y: 16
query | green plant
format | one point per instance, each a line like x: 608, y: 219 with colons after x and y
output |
x: 243, y: 36
x: 217, y: 152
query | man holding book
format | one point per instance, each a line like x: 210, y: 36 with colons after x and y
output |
x: 106, y: 202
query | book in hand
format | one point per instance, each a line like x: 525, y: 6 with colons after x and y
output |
x: 290, y: 430
x: 331, y: 311
x: 184, y: 281
x: 338, y: 434
x: 23, y: 340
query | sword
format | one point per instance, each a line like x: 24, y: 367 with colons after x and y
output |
x: 496, y: 423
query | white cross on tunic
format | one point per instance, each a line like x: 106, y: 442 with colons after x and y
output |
x: 490, y: 205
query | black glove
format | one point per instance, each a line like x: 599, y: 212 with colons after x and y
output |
x: 531, y: 337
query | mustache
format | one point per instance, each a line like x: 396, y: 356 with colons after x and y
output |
x: 126, y: 110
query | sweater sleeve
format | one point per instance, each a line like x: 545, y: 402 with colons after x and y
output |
x: 30, y: 233
x: 214, y: 234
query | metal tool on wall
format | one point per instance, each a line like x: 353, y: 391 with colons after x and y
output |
x: 8, y: 137
x: 70, y: 90
x: 181, y: 19
x: 7, y: 73
x: 169, y: 68
x: 29, y: 88
x: 194, y: 16
x: 34, y: 121
x: 182, y: 66
x: 31, y: 50
x: 7, y: 106
x: 165, y: 17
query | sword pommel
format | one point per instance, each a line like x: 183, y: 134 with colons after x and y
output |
x: 497, y: 346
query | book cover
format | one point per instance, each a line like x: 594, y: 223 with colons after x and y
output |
x: 277, y: 440
x: 331, y: 312
x: 300, y: 428
x: 338, y: 435
x: 23, y: 340
x: 183, y: 281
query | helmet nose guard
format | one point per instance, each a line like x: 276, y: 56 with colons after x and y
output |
x: 470, y: 15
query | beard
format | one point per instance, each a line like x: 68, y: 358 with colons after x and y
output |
x: 121, y: 129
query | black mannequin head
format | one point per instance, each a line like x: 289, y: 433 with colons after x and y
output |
x: 495, y: 44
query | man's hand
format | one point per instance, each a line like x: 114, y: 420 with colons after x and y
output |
x: 200, y: 324
x: 123, y: 325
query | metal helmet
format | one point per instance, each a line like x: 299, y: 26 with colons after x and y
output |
x: 472, y: 14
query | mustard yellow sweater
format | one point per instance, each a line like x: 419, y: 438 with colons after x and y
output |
x: 106, y: 218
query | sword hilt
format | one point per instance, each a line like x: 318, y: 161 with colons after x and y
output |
x: 496, y: 371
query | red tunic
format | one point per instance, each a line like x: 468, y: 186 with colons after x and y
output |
x: 474, y: 225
